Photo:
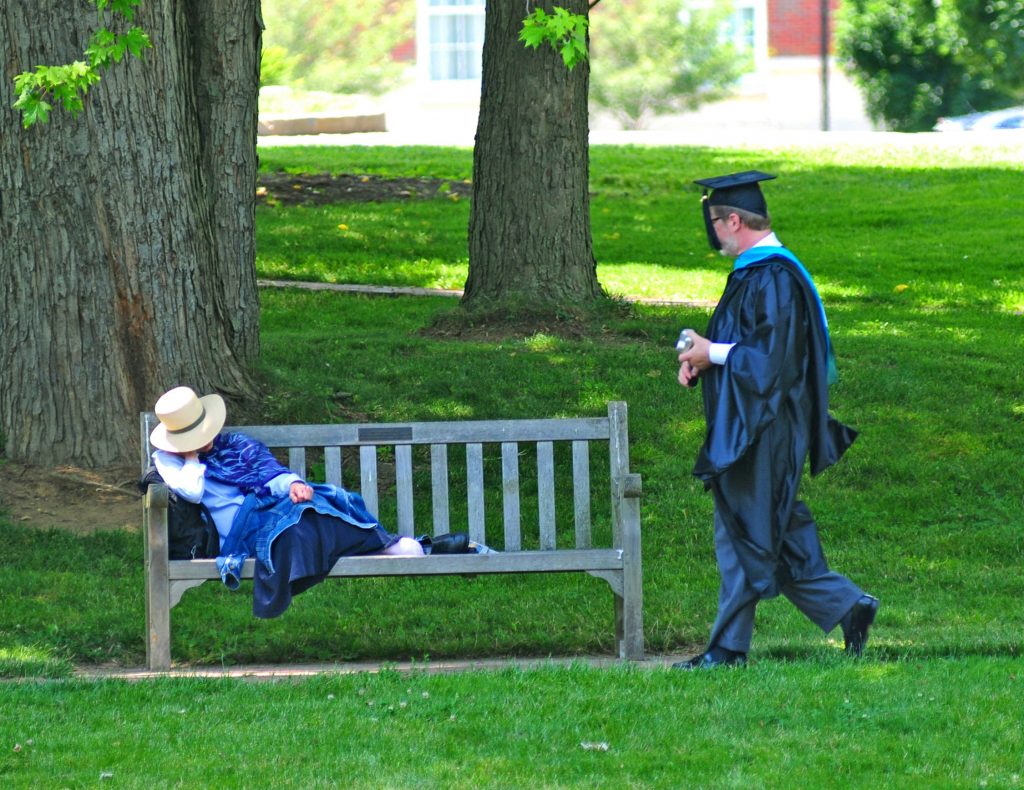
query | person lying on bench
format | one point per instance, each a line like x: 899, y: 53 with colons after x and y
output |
x: 296, y: 531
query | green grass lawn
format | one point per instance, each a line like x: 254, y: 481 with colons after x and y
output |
x: 912, y: 252
x: 817, y: 722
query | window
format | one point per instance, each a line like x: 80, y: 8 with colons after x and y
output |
x: 746, y: 28
x: 740, y: 29
x: 450, y: 40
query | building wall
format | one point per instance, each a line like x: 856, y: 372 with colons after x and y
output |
x: 794, y: 27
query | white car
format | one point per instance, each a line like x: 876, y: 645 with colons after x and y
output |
x: 1010, y: 118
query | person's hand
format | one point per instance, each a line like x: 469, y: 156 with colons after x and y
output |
x: 300, y: 492
x: 688, y: 375
x: 694, y: 360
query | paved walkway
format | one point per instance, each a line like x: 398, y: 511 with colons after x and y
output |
x: 1002, y: 145
x: 434, y: 666
x: 392, y: 290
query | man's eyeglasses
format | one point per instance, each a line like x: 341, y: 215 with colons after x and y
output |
x: 715, y: 219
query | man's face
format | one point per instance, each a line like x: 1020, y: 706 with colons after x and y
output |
x: 725, y: 228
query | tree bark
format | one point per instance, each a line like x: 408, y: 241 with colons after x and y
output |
x: 529, y: 228
x: 126, y: 234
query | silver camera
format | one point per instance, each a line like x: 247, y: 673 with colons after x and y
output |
x: 685, y: 342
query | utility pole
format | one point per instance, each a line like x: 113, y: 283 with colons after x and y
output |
x: 824, y: 66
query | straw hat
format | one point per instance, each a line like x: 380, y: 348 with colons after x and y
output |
x: 187, y: 422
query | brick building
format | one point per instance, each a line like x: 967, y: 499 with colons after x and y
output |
x: 794, y: 27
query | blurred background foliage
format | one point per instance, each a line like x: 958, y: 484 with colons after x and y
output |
x: 918, y: 60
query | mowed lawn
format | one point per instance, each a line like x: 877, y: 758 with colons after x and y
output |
x: 911, y: 248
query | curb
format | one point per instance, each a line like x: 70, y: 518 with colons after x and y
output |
x: 395, y: 290
x: 266, y: 672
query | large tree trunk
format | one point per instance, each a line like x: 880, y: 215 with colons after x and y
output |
x: 126, y: 235
x: 529, y: 228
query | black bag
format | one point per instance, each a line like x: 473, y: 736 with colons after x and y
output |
x: 191, y: 533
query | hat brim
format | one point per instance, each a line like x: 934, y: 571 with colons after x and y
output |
x: 200, y: 436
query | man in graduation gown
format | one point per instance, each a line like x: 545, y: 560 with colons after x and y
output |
x: 766, y: 365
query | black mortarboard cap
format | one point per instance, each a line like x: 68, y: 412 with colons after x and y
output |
x: 739, y: 190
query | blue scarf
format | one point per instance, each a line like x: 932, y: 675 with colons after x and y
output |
x: 238, y: 460
x: 761, y: 253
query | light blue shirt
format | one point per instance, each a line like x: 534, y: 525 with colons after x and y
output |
x: 187, y: 479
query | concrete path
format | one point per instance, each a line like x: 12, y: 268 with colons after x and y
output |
x: 434, y: 666
x: 393, y: 290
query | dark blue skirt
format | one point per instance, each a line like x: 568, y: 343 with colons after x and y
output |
x: 304, y: 554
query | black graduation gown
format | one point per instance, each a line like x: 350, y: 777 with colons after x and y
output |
x: 766, y: 411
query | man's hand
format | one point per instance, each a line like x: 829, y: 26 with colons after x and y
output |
x: 693, y: 361
x: 300, y: 492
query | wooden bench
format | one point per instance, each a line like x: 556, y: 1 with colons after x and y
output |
x: 560, y: 454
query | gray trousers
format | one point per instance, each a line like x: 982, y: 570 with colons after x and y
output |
x: 823, y: 599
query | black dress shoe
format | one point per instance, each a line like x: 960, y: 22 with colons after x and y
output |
x: 715, y: 657
x: 856, y: 623
x: 449, y: 543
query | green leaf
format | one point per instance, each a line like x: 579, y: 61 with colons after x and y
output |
x: 137, y: 40
x: 100, y: 49
x: 33, y: 111
x: 125, y: 8
x: 69, y: 83
x: 119, y: 48
x: 25, y: 81
x: 564, y: 31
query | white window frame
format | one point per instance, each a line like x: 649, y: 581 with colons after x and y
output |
x: 424, y: 13
x: 753, y: 81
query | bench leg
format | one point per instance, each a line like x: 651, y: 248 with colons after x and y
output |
x: 158, y: 604
x: 629, y: 629
x: 631, y: 613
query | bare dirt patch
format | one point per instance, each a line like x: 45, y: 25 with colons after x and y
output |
x: 319, y: 188
x: 65, y: 497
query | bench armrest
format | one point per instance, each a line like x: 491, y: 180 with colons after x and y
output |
x: 156, y: 496
x: 632, y: 486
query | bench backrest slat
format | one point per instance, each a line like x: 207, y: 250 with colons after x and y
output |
x: 475, y: 491
x: 297, y: 460
x: 403, y: 485
x: 510, y: 495
x: 368, y: 478
x: 581, y: 493
x: 439, y: 488
x: 546, y: 493
x: 332, y: 466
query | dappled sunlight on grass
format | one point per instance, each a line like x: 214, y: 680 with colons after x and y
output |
x: 543, y: 342
x: 831, y: 291
x: 408, y: 244
x: 32, y: 661
x: 1012, y: 302
x: 663, y: 282
x: 448, y: 409
x: 873, y: 328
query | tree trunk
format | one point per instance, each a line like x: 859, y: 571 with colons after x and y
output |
x: 529, y: 228
x: 127, y: 263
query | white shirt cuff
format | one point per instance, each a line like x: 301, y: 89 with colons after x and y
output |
x: 718, y: 352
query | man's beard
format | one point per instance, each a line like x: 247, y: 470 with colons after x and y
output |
x: 730, y: 249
